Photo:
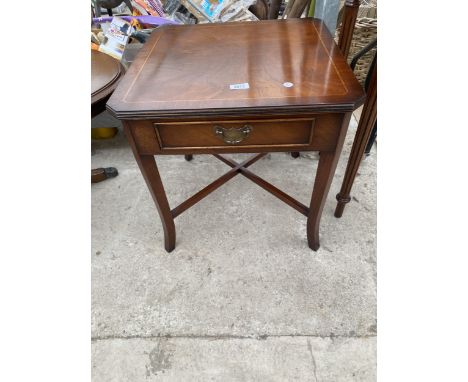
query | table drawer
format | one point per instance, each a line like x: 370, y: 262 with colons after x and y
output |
x: 219, y: 134
x: 315, y: 132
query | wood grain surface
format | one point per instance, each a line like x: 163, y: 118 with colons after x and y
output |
x: 187, y: 68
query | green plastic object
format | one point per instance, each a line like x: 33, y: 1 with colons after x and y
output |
x: 311, y: 9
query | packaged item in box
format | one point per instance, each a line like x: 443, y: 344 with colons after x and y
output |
x: 223, y: 10
x: 116, y: 35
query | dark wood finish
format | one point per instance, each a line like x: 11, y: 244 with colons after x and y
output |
x: 274, y: 8
x: 100, y: 174
x: 365, y: 126
x: 347, y: 26
x: 187, y: 70
x: 291, y: 3
x: 307, y: 133
x: 150, y: 173
x: 288, y: 132
x: 323, y: 179
x: 176, y: 99
x: 106, y: 73
x: 296, y: 7
x: 260, y: 9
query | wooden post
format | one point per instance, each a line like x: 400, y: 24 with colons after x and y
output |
x: 297, y: 9
x: 347, y: 26
x: 366, y: 123
x: 273, y: 12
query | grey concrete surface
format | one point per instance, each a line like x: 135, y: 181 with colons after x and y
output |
x: 242, y: 297
x: 201, y: 359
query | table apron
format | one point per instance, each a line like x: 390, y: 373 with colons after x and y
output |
x: 317, y: 132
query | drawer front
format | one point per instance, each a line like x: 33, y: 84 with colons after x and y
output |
x: 220, y: 134
x: 315, y: 132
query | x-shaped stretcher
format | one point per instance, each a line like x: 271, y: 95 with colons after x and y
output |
x: 240, y: 168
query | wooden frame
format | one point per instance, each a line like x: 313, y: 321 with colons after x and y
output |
x: 364, y: 130
x: 301, y: 97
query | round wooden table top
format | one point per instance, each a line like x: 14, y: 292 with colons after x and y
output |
x: 106, y: 72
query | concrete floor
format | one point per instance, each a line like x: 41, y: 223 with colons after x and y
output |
x: 242, y: 297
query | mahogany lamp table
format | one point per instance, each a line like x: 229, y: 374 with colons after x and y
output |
x: 242, y: 87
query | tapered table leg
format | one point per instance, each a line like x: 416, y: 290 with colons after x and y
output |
x: 149, y: 170
x: 323, y: 179
x: 364, y: 130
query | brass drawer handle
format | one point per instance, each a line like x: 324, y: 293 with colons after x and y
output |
x: 233, y: 135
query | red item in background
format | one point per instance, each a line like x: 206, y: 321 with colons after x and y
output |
x: 150, y: 8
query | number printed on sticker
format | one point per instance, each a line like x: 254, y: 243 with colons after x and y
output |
x: 244, y: 85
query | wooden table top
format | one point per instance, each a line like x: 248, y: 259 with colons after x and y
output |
x: 105, y: 73
x: 289, y: 65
